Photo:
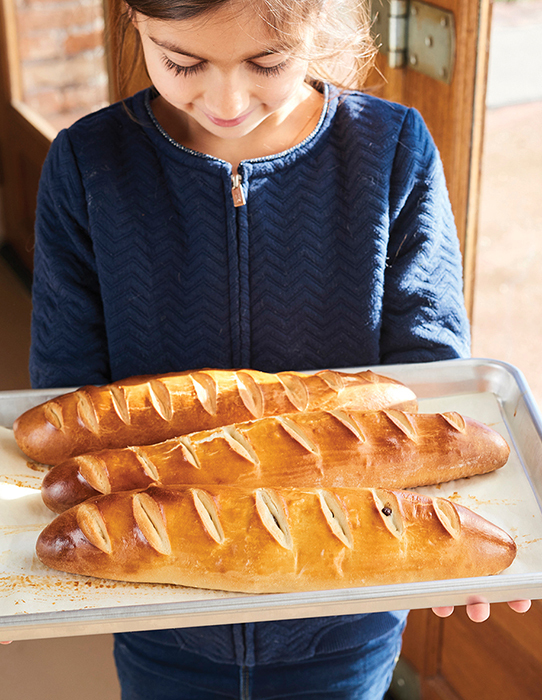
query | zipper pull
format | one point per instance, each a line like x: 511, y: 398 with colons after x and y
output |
x: 237, y: 191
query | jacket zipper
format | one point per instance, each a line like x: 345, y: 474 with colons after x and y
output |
x: 237, y: 191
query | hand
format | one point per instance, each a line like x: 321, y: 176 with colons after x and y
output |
x: 479, y: 611
x: 5, y: 642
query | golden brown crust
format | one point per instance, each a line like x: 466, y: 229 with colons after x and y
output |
x: 149, y: 409
x: 273, y: 540
x: 392, y: 449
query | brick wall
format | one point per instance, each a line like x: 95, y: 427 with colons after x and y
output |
x: 62, y: 57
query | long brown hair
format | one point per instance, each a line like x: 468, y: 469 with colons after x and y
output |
x: 342, y: 49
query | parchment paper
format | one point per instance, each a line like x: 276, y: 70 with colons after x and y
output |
x: 505, y: 497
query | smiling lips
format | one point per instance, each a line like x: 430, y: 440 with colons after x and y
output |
x: 229, y: 122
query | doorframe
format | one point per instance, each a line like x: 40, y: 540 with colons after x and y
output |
x: 476, y: 162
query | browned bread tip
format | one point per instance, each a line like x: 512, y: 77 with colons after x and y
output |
x: 149, y: 409
x: 389, y: 448
x: 273, y: 540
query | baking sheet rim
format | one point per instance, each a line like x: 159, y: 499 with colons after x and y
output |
x: 500, y: 588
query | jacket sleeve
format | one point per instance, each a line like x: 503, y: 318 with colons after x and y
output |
x: 424, y: 315
x: 68, y: 342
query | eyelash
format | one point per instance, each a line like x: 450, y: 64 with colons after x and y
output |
x: 182, y: 70
x: 270, y: 71
x: 186, y: 71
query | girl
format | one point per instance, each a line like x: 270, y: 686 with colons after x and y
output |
x: 246, y: 212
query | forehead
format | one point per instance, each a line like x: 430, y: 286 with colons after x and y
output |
x: 233, y: 29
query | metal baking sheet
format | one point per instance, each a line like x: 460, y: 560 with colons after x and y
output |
x: 36, y: 602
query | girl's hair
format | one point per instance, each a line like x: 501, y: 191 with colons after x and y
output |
x: 341, y: 51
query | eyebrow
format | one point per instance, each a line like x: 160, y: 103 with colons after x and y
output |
x: 169, y: 46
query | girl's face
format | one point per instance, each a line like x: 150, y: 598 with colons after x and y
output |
x: 224, y: 71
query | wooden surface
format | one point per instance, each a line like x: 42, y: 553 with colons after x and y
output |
x: 454, y: 114
x: 458, y: 659
x: 24, y: 142
x: 503, y: 659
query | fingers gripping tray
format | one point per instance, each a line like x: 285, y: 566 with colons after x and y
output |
x: 39, y: 602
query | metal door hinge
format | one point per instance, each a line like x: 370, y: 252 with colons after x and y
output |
x: 417, y: 35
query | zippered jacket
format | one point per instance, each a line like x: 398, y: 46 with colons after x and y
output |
x: 341, y: 252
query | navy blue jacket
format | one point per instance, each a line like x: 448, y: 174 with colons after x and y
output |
x: 344, y: 255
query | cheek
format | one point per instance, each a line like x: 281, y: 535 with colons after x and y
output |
x: 165, y: 81
x: 170, y: 87
x: 280, y: 90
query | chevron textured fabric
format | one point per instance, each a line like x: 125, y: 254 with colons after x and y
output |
x: 345, y: 254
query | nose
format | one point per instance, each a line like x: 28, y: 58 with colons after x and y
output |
x: 227, y: 95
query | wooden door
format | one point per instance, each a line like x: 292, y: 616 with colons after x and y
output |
x: 456, y: 659
x: 453, y: 111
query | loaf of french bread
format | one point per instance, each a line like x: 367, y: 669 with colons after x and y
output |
x: 389, y: 448
x: 273, y: 540
x: 149, y: 409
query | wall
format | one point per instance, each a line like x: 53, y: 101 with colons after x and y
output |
x: 62, y: 58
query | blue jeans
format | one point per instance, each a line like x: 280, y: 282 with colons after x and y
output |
x: 151, y: 667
